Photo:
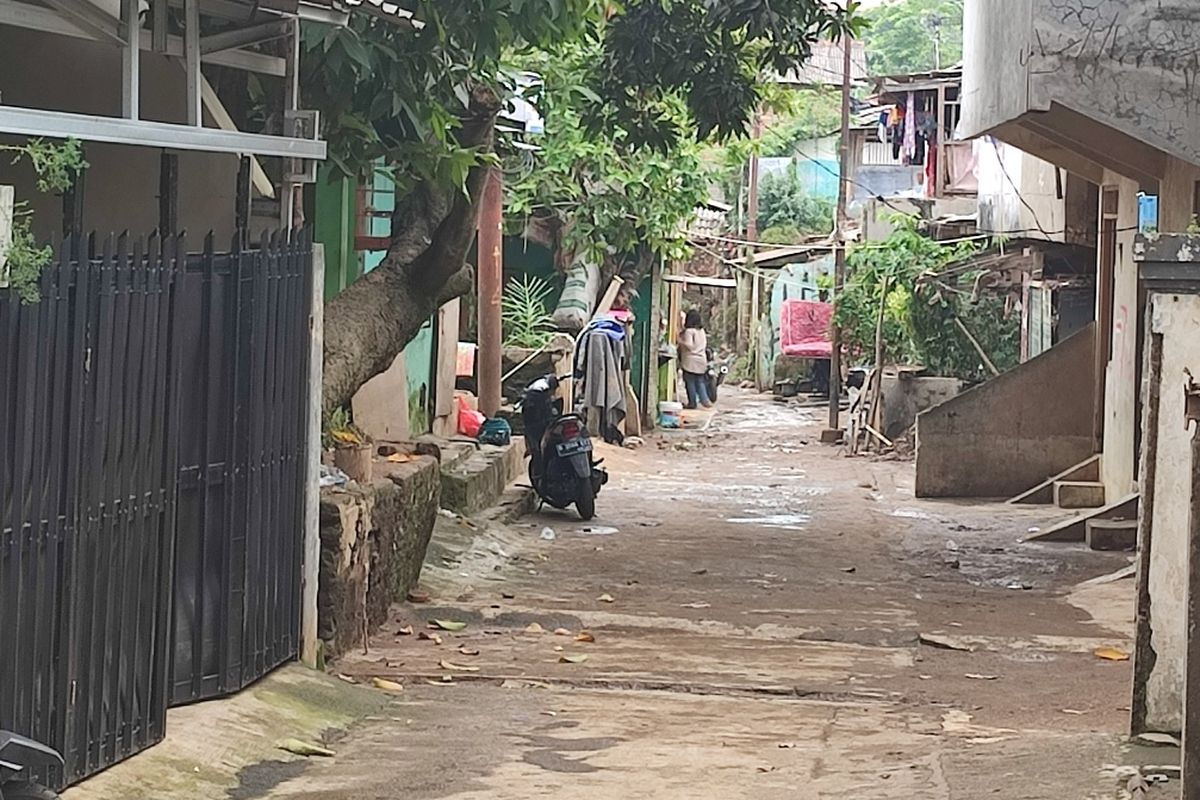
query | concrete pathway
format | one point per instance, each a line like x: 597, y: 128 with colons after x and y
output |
x: 752, y: 615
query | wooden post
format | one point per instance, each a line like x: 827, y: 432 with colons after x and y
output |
x: 310, y: 642
x: 490, y: 286
x: 1191, y: 693
x: 839, y: 236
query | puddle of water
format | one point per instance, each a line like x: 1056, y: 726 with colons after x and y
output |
x: 791, y: 522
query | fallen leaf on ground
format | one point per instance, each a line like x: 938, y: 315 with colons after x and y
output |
x: 432, y: 637
x: 401, y: 458
x: 606, y: 598
x: 573, y: 658
x: 346, y: 678
x: 456, y: 667
x: 508, y: 595
x: 468, y: 651
x: 306, y: 749
x: 561, y: 632
x: 407, y: 630
x: 849, y: 570
x: 533, y: 627
x: 447, y: 680
x: 787, y: 745
x: 549, y: 713
x: 447, y: 624
x: 1111, y: 654
x: 585, y: 636
x: 696, y: 605
x: 386, y: 685
x: 977, y: 677
x: 417, y: 596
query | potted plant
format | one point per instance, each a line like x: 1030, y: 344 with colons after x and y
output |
x: 352, y: 449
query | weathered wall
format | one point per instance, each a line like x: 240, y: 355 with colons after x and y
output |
x: 1013, y: 432
x: 373, y: 543
x: 997, y: 35
x: 1121, y: 389
x: 1176, y: 319
x: 906, y: 397
x: 1132, y: 64
x: 1006, y: 177
x: 1176, y: 196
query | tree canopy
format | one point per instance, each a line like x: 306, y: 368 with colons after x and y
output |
x: 905, y: 36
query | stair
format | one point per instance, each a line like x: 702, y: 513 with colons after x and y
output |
x: 1043, y: 493
x: 1078, y: 494
x: 1075, y: 528
x: 1112, y: 534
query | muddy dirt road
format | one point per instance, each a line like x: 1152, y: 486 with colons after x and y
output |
x: 770, y: 620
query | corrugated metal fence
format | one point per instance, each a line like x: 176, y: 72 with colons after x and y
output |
x: 151, y: 476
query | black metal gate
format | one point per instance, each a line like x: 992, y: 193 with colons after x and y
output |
x: 87, y: 475
x: 245, y: 348
x: 151, y: 441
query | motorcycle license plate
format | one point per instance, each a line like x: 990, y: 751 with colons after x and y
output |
x: 574, y: 447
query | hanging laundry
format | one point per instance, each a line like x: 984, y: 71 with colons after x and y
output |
x: 910, y: 129
x: 931, y: 188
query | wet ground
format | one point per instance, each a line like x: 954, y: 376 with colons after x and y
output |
x: 752, y: 615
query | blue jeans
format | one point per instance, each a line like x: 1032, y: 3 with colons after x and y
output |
x: 697, y: 389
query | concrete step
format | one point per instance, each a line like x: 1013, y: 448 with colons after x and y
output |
x: 477, y: 482
x: 1075, y: 528
x: 1078, y: 494
x: 1043, y: 493
x: 1112, y: 534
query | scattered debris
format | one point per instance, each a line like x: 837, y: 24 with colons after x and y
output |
x: 533, y: 627
x: 561, y: 632
x: 1111, y: 654
x: 849, y: 570
x: 346, y: 678
x: 650, y: 524
x: 633, y: 442
x: 444, y: 664
x: 573, y: 658
x: 606, y: 598
x: 418, y: 596
x: 401, y: 458
x: 1073, y: 712
x: 585, y: 636
x: 696, y: 605
x: 407, y: 630
x: 431, y: 637
x: 332, y: 476
x: 386, y: 685
x: 451, y: 625
x: 548, y: 534
x: 787, y: 745
x: 701, y: 571
x: 299, y: 748
x: 598, y: 530
x: 549, y: 713
x: 944, y: 642
x: 977, y: 677
x: 1019, y: 586
x: 468, y: 651
x: 508, y: 595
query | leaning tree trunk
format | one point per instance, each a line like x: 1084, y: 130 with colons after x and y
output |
x: 369, y: 323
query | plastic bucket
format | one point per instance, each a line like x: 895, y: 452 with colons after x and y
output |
x: 670, y: 414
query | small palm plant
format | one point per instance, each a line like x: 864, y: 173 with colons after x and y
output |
x: 523, y: 308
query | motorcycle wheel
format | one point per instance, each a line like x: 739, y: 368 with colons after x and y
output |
x: 585, y: 501
x: 27, y: 791
x: 713, y: 383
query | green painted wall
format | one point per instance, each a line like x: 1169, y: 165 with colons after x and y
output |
x: 333, y: 226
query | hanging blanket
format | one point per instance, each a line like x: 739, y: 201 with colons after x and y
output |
x: 804, y: 329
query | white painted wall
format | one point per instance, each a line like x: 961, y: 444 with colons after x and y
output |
x: 1177, y: 319
x: 1006, y: 174
x: 1121, y: 389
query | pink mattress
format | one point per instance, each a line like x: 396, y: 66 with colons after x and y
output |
x: 804, y: 329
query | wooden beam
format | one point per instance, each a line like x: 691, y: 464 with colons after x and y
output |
x: 98, y: 24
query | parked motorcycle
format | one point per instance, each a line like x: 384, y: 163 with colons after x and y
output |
x: 718, y: 370
x: 19, y: 757
x: 561, y: 467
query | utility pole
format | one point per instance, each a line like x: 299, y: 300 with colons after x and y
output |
x: 489, y: 282
x: 750, y: 296
x: 839, y: 252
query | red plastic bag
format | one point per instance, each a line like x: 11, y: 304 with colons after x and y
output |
x: 469, y: 420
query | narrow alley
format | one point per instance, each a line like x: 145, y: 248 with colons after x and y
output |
x: 768, y: 617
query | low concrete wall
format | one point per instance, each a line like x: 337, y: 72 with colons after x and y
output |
x: 373, y: 543
x: 906, y: 396
x: 1011, y: 433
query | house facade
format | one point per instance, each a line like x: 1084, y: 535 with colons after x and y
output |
x: 1105, y: 90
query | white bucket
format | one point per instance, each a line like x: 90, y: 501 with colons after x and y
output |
x: 670, y: 414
